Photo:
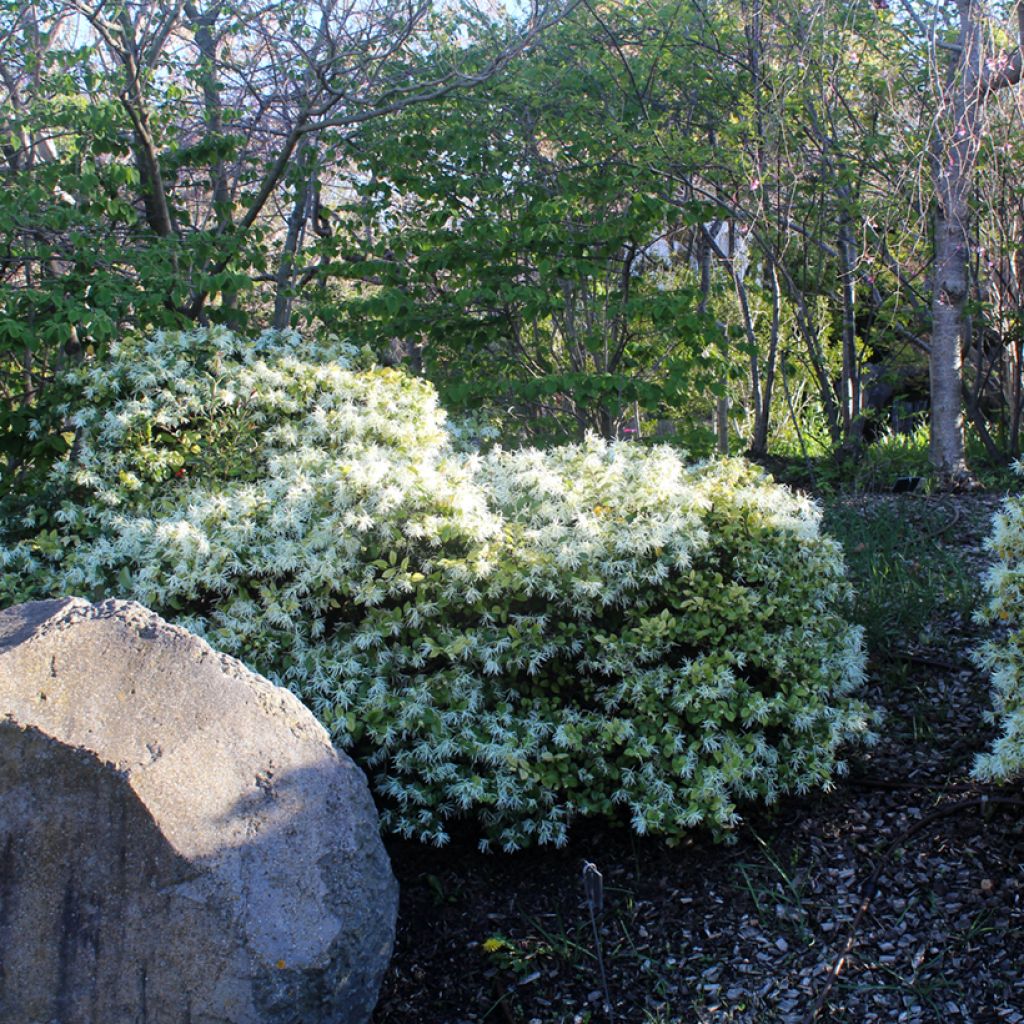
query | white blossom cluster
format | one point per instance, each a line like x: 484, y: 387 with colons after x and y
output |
x: 1003, y: 655
x: 516, y: 639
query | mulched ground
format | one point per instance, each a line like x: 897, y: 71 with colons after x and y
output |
x: 897, y: 897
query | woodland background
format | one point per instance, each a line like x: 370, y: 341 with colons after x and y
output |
x: 789, y: 228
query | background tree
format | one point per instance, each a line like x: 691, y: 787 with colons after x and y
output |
x: 976, y: 70
x: 162, y: 161
x: 663, y: 216
x: 523, y: 239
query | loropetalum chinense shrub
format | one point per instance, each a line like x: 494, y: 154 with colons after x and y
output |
x: 1003, y: 655
x: 517, y: 638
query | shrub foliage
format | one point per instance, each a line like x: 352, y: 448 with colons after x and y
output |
x: 517, y: 638
x: 1003, y: 655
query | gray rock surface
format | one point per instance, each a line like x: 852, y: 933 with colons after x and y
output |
x: 179, y: 842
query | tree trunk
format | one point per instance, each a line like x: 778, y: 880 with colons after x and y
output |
x: 851, y: 369
x: 763, y: 414
x: 945, y: 365
x: 1014, y: 365
x: 304, y: 188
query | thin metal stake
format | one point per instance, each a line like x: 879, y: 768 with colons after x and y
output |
x: 593, y: 887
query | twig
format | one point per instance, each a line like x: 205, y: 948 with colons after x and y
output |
x: 923, y: 659
x: 935, y: 534
x: 876, y: 782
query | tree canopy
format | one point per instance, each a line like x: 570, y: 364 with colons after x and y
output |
x: 774, y: 227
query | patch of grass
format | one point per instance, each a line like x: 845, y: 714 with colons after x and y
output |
x: 893, y: 456
x: 777, y: 893
x: 905, y: 575
x: 547, y: 968
x: 544, y: 951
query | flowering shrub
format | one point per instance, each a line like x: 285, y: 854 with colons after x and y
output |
x: 520, y: 638
x: 1003, y: 656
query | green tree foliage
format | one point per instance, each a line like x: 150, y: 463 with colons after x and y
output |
x: 537, y: 216
x: 74, y: 268
x: 551, y: 244
x: 522, y: 236
x: 160, y: 164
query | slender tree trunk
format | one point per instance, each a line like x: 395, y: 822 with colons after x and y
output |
x: 721, y: 414
x: 1014, y: 354
x: 760, y: 397
x: 977, y: 417
x: 147, y: 160
x: 851, y: 369
x: 293, y: 240
x: 204, y: 26
x: 755, y: 372
x: 945, y: 368
x: 762, y: 418
x: 808, y: 331
x: 206, y: 42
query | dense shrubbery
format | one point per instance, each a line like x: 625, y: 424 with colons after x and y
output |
x: 520, y: 637
x: 1003, y: 655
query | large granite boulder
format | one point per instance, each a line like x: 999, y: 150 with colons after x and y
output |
x: 179, y: 842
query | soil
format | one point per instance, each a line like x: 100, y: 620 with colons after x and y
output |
x: 898, y: 896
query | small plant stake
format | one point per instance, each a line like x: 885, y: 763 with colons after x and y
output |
x: 593, y: 887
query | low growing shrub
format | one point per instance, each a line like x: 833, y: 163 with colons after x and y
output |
x: 517, y: 638
x: 1003, y: 655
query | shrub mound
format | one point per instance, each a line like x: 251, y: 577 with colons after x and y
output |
x: 1003, y: 655
x: 519, y: 638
